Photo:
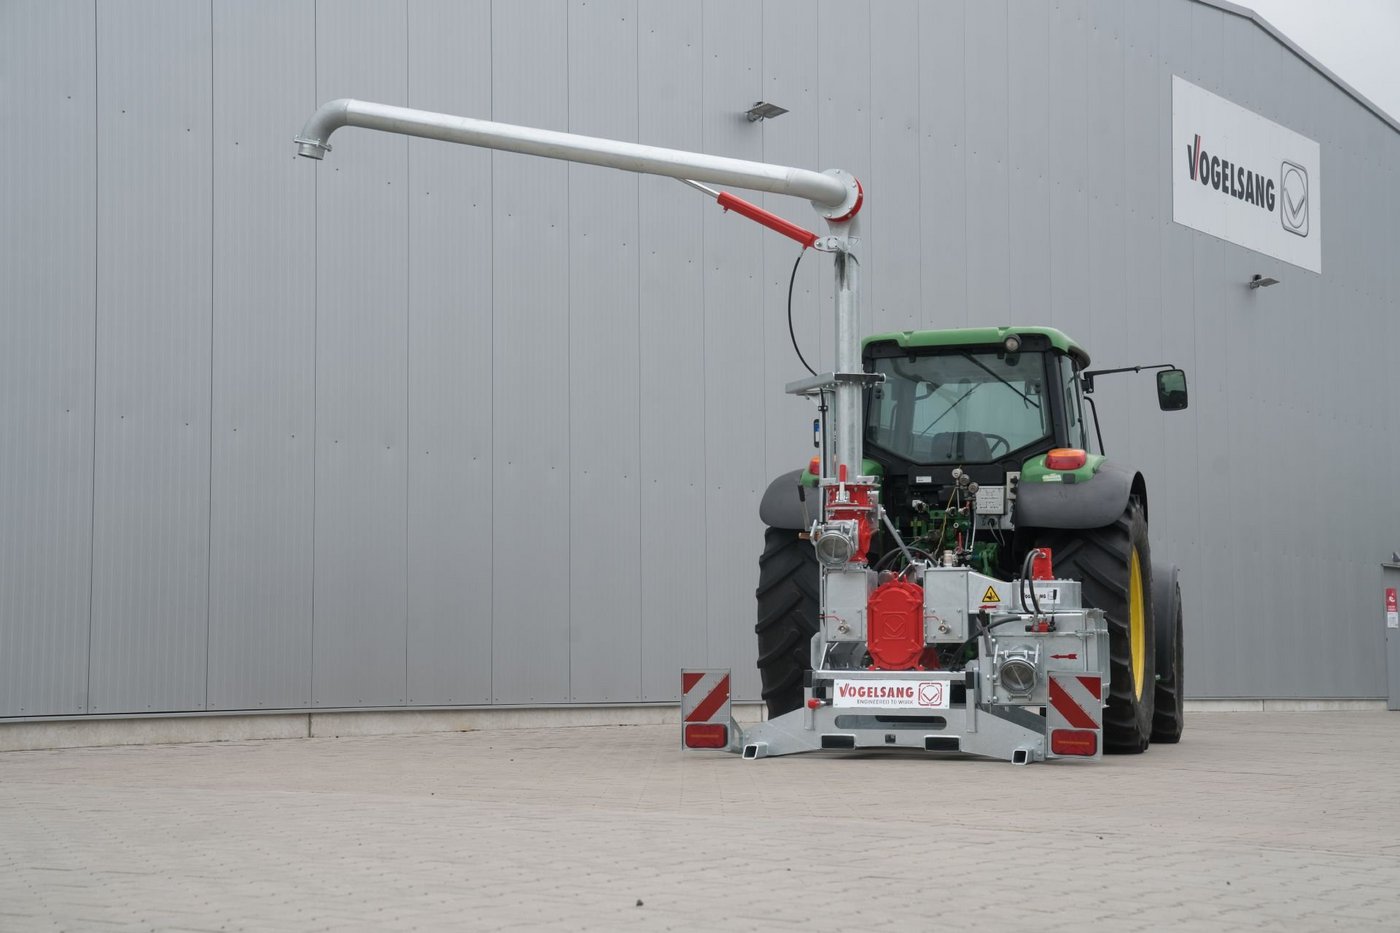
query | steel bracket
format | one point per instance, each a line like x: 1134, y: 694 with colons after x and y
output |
x: 835, y: 244
x: 825, y: 382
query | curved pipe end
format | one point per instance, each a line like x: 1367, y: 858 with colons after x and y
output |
x: 850, y: 205
x: 313, y: 143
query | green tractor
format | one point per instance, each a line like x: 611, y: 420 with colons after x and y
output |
x: 979, y: 442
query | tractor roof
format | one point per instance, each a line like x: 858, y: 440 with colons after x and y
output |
x: 978, y: 336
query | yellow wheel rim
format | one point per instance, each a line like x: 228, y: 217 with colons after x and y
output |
x: 1137, y: 623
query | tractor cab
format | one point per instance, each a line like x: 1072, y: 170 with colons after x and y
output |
x: 993, y: 396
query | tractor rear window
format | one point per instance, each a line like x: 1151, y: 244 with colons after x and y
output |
x: 959, y: 407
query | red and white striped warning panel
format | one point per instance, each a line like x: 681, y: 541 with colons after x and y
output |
x: 1074, y: 718
x: 705, y: 709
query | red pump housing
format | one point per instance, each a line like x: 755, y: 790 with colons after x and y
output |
x: 894, y: 632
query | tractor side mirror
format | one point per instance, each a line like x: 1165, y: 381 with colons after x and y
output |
x: 1171, y: 389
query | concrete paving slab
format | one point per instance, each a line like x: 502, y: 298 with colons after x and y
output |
x: 1276, y: 821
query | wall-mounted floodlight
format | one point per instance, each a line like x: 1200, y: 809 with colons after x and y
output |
x: 1262, y: 281
x: 763, y: 111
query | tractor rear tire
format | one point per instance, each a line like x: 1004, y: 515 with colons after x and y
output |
x: 1169, y: 713
x: 1102, y: 560
x: 788, y: 600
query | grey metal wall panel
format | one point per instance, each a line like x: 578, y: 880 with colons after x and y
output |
x: 673, y: 518
x: 985, y: 173
x: 893, y: 251
x: 360, y: 637
x: 1268, y: 422
x: 450, y: 493
x: 1304, y: 317
x: 1146, y: 149
x: 790, y: 70
x: 733, y: 287
x: 942, y: 148
x: 1249, y: 424
x: 264, y: 363
x: 531, y: 403
x: 605, y: 539
x: 47, y: 265
x: 1211, y: 401
x: 1383, y: 283
x: 1106, y: 190
x: 1030, y: 136
x: 1352, y: 234
x: 1179, y: 527
x: 151, y: 511
x: 843, y: 128
x: 1069, y: 284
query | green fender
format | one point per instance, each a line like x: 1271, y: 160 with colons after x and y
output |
x: 1091, y: 497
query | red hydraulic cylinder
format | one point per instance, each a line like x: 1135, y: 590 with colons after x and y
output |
x: 770, y: 220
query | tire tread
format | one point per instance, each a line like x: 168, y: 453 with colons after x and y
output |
x: 788, y: 607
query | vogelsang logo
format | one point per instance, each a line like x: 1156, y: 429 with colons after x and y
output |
x: 1293, y: 188
x: 1231, y: 179
x: 1246, y: 180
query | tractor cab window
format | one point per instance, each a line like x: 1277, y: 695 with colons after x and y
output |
x: 959, y: 407
x: 1074, y: 411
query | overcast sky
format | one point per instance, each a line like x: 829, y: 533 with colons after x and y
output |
x: 1358, y: 40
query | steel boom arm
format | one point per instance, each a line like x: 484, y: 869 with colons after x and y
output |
x: 835, y: 194
x: 830, y: 192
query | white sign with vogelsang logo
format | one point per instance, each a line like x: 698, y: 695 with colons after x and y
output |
x: 892, y: 694
x: 1240, y: 177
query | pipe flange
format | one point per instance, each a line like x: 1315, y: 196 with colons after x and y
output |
x: 311, y: 148
x: 847, y: 209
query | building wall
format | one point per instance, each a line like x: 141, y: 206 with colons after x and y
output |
x: 425, y: 425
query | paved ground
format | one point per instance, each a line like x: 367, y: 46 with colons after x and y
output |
x: 1257, y: 821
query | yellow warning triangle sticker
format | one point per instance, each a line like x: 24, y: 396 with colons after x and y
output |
x: 990, y: 596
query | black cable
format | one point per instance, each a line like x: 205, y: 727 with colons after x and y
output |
x: 890, y: 555
x: 1025, y: 574
x: 792, y: 333
x: 984, y: 632
x: 1027, y: 579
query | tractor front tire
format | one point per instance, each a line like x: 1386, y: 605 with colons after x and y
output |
x: 1169, y: 713
x: 1114, y: 568
x: 788, y: 599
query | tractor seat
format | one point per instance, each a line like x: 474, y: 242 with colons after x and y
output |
x: 958, y: 447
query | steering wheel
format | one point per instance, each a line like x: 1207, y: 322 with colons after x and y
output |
x: 995, y: 441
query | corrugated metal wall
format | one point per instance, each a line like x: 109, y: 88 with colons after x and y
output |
x: 423, y: 425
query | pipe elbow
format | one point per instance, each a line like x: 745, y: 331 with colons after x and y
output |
x: 313, y: 143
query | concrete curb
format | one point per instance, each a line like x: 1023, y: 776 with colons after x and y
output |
x: 1282, y: 706
x: 169, y: 730
x: 245, y: 727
